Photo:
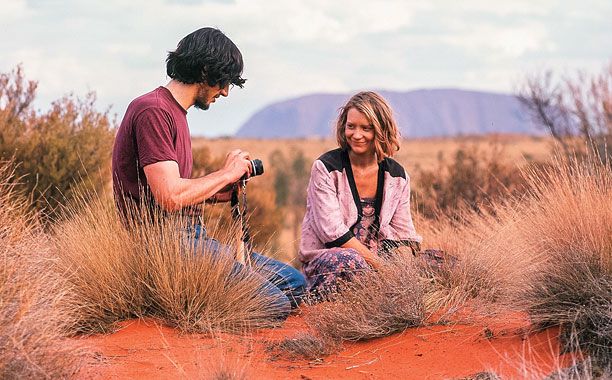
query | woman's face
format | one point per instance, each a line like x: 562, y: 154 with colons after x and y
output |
x: 359, y: 133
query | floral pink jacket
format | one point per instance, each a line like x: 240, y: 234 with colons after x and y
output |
x: 333, y: 206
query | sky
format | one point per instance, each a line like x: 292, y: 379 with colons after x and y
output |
x: 118, y: 48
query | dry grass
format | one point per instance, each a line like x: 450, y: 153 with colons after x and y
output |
x: 102, y: 264
x: 548, y: 253
x: 35, y: 309
x: 569, y: 224
x: 227, y: 364
x: 374, y: 304
x: 529, y: 367
x: 579, y: 370
x: 304, y: 345
x: 152, y: 271
x: 490, y: 261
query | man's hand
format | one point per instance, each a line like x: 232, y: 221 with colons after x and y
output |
x: 221, y: 196
x: 173, y: 192
x: 236, y: 165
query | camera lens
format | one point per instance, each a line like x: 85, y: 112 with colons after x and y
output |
x: 256, y: 167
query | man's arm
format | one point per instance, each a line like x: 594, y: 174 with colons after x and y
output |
x: 172, y: 192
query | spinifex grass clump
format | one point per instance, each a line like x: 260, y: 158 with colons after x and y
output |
x: 304, y: 345
x: 194, y: 288
x: 103, y: 265
x: 35, y: 310
x: 569, y: 223
x: 483, y: 260
x: 373, y: 304
x: 151, y: 269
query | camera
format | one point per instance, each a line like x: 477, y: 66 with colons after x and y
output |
x: 256, y: 167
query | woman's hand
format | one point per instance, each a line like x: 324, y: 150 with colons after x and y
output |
x: 371, y: 258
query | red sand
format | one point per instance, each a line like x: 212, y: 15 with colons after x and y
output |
x: 144, y: 349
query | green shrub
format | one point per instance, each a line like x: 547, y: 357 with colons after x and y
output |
x: 65, y: 148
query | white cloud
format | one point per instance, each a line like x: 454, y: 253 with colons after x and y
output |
x: 293, y: 47
x: 503, y: 41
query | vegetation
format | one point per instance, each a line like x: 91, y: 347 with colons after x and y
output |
x: 572, y: 286
x: 304, y: 345
x: 35, y: 307
x: 473, y: 180
x: 151, y: 271
x: 536, y: 239
x: 291, y: 175
x: 373, y: 304
x: 60, y: 152
x: 576, y: 110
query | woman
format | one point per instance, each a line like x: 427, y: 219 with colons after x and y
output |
x: 358, y: 204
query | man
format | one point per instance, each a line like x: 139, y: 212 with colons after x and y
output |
x: 152, y: 158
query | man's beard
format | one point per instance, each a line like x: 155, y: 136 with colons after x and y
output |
x: 201, y: 105
x: 200, y: 102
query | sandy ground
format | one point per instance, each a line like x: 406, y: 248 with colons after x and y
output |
x: 145, y: 349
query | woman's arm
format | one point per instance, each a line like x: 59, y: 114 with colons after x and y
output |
x: 401, y: 222
x: 327, y: 219
x: 327, y: 216
x: 370, y: 257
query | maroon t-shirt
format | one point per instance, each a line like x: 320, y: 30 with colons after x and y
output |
x: 153, y: 129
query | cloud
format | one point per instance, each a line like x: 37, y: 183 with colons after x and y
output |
x: 294, y: 47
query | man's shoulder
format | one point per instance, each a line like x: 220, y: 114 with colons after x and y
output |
x: 149, y: 100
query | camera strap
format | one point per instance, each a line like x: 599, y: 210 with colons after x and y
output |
x: 240, y: 216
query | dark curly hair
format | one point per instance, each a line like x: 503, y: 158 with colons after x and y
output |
x: 206, y: 56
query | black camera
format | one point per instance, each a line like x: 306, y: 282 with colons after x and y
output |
x: 256, y: 167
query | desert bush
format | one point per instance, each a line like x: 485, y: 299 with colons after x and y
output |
x: 578, y: 370
x: 60, y: 151
x: 151, y: 271
x: 102, y: 264
x: 575, y: 110
x: 304, y: 345
x: 564, y: 368
x: 486, y: 260
x: 474, y: 179
x: 204, y: 162
x: 548, y: 252
x: 35, y: 307
x: 195, y: 290
x: 15, y: 218
x: 568, y: 223
x: 373, y: 304
x: 291, y: 175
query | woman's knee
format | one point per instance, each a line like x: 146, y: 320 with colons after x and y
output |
x: 348, y: 260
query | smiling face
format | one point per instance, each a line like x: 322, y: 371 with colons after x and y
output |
x: 207, y: 94
x: 359, y: 133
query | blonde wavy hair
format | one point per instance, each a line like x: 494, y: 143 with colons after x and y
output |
x: 379, y: 114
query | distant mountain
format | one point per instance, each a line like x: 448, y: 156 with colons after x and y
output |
x: 420, y: 113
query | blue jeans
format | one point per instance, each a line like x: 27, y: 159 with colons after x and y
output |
x: 279, y: 281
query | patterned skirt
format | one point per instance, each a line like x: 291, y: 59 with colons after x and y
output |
x: 338, y: 265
